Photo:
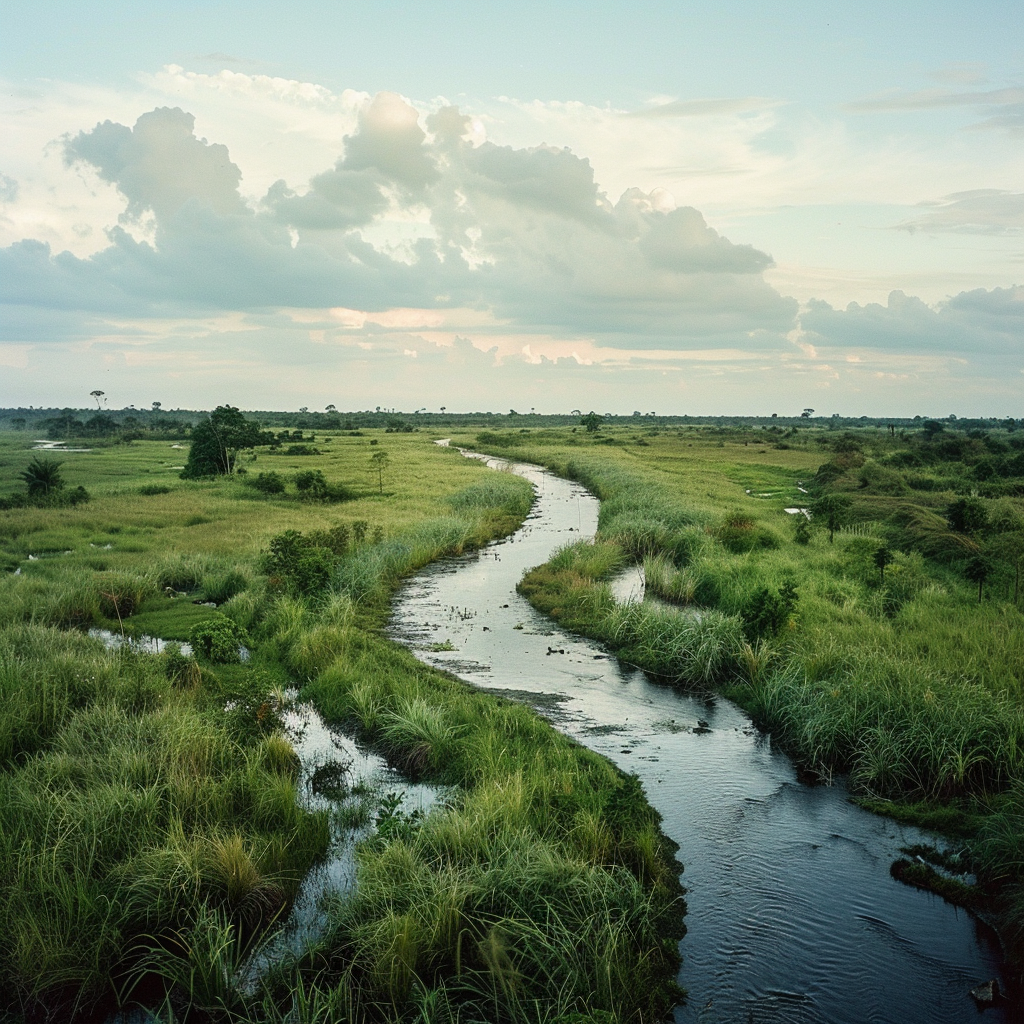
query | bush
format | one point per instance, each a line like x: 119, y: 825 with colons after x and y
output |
x: 967, y: 515
x: 305, y: 567
x: 218, y: 640
x: 268, y: 483
x: 767, y: 612
x: 313, y: 486
x: 42, y: 477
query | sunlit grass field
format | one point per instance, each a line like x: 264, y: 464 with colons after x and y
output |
x: 220, y: 517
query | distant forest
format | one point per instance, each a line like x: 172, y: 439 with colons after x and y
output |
x: 176, y: 424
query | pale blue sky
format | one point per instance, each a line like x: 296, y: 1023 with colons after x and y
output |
x: 815, y: 53
x: 837, y: 153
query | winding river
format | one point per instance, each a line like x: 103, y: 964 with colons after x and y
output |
x: 793, y: 916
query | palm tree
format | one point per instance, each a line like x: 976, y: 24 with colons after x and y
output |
x: 42, y: 476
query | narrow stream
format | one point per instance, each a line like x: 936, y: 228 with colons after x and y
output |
x: 340, y: 776
x: 793, y: 916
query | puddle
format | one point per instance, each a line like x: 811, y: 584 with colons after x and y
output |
x: 629, y: 585
x: 54, y: 446
x: 145, y: 644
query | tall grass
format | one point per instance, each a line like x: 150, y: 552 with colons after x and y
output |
x: 149, y: 824
x: 545, y: 888
x: 370, y: 573
x: 126, y: 806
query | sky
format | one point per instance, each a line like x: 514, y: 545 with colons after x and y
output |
x: 737, y: 208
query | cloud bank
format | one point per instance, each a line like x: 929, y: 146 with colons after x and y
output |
x: 525, y: 233
x: 427, y: 252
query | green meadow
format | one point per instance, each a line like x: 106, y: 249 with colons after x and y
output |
x: 152, y: 827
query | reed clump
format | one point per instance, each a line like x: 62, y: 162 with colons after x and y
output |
x: 544, y: 887
x: 123, y: 804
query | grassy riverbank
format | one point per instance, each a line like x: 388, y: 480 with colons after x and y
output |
x: 893, y: 674
x: 149, y: 812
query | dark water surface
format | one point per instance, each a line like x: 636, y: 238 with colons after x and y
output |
x: 793, y: 916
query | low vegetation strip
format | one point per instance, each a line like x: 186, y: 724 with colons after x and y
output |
x: 866, y: 644
x: 151, y: 826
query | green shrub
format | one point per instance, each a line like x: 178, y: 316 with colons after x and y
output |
x: 267, y: 483
x: 218, y: 640
x: 295, y: 558
x: 767, y: 612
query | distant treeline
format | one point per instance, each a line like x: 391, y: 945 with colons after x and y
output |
x: 176, y: 424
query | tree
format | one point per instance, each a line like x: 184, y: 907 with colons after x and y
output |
x: 806, y: 414
x: 379, y: 460
x: 217, y: 441
x: 833, y: 510
x: 332, y: 408
x: 97, y: 395
x: 967, y: 515
x: 592, y: 422
x: 977, y: 570
x: 156, y: 406
x: 883, y: 557
x: 100, y: 425
x: 42, y: 477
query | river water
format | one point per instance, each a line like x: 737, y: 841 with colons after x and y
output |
x: 792, y: 916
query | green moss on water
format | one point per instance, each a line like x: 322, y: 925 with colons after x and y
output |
x: 924, y: 876
x: 961, y: 818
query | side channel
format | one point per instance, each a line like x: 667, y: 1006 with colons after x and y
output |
x: 793, y: 916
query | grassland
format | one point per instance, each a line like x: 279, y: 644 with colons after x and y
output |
x: 150, y: 819
x: 897, y: 676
